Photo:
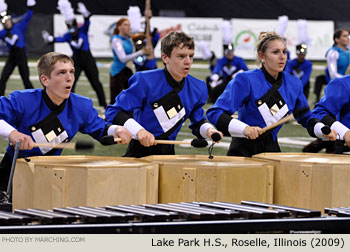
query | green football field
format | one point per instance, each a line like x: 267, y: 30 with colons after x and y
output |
x: 292, y: 137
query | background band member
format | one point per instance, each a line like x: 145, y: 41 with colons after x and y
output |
x: 122, y: 47
x: 13, y: 35
x: 301, y: 67
x: 77, y: 37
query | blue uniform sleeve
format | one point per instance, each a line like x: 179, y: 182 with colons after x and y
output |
x: 64, y: 38
x: 130, y: 99
x: 243, y: 65
x: 301, y: 104
x: 85, y: 27
x: 11, y: 109
x: 235, y: 95
x: 197, y: 114
x: 26, y: 19
x: 289, y: 67
x: 92, y: 124
x: 337, y: 95
x: 307, y: 72
x: 2, y: 34
x: 218, y: 67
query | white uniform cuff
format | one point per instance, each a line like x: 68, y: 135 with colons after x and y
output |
x: 318, y: 131
x: 111, y: 130
x: 5, y: 130
x: 236, y: 128
x: 340, y: 128
x: 133, y: 127
x: 203, y: 129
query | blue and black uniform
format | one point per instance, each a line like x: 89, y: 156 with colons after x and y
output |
x: 83, y: 59
x: 161, y: 105
x: 15, y: 40
x: 334, y: 106
x: 32, y: 113
x: 260, y: 101
x: 302, y: 70
x: 226, y: 69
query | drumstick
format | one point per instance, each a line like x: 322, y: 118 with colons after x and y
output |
x: 197, y: 142
x: 284, y: 120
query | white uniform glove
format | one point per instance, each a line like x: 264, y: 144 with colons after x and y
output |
x: 82, y: 9
x: 31, y: 3
x: 47, y: 37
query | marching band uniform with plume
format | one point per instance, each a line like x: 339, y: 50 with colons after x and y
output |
x: 79, y: 43
x: 161, y: 100
x: 226, y: 67
x: 301, y: 67
x: 50, y: 115
x: 13, y: 35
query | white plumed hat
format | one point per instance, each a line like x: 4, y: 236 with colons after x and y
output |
x: 282, y: 25
x: 135, y: 18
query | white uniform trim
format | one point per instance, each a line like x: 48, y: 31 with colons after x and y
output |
x: 318, y: 132
x: 332, y: 58
x: 203, y: 129
x: 236, y: 128
x: 133, y: 126
x: 5, y: 130
x: 340, y: 128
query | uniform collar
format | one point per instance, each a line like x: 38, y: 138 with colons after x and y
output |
x: 51, y: 105
x: 172, y: 82
x: 270, y: 79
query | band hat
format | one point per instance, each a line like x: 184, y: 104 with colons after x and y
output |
x: 282, y: 25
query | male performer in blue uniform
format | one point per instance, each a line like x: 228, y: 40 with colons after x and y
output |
x: 77, y: 37
x: 161, y: 100
x: 301, y: 67
x: 224, y: 71
x: 14, y: 36
x: 50, y: 115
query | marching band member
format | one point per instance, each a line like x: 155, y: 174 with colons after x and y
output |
x: 50, y: 115
x: 122, y: 47
x: 338, y: 60
x: 13, y: 35
x: 161, y: 100
x: 78, y: 40
x: 261, y: 97
x: 301, y: 67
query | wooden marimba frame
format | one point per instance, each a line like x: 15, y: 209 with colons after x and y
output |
x: 310, y: 180
x: 185, y: 178
x: 59, y: 181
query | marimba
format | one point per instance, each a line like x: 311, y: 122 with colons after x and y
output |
x: 184, y: 218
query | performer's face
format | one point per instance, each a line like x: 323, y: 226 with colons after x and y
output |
x: 124, y: 28
x: 343, y: 40
x: 59, y: 84
x: 275, y: 57
x: 8, y: 24
x: 179, y: 63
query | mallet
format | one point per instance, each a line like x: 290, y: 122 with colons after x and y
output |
x: 285, y: 119
x: 197, y: 142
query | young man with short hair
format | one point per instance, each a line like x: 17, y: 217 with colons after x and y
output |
x: 161, y: 100
x: 50, y: 115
